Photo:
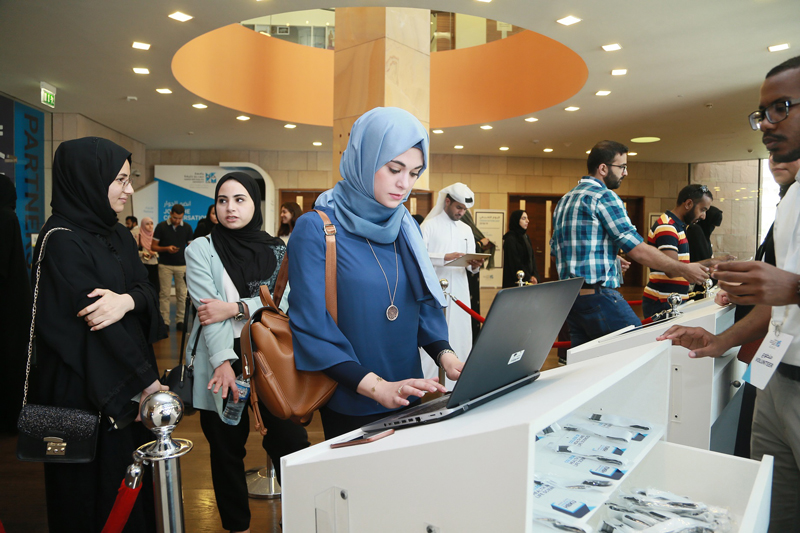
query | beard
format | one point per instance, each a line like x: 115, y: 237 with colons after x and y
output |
x: 612, y: 181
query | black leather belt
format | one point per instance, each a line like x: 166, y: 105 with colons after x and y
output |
x: 595, y: 286
x: 789, y: 371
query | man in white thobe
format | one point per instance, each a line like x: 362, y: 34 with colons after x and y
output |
x: 447, y: 239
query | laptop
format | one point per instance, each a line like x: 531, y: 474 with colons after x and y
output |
x: 519, y: 332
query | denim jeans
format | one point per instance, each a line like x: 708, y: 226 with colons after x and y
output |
x: 595, y: 315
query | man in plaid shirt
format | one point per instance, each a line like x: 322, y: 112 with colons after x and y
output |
x: 590, y: 226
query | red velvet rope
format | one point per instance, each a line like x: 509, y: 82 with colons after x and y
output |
x: 126, y: 497
x: 559, y: 344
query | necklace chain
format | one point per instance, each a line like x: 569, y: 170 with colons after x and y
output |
x: 391, y: 311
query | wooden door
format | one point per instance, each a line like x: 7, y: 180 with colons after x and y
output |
x: 635, y: 207
x: 540, y: 215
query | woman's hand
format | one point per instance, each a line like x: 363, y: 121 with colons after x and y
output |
x: 452, y: 365
x: 393, y: 394
x: 109, y: 309
x: 533, y: 280
x: 224, y: 379
x: 722, y: 298
x: 213, y: 311
x: 155, y: 386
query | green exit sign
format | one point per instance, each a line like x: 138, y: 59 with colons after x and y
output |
x: 48, y: 94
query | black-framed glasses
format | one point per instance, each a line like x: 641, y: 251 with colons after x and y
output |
x: 774, y: 113
x: 623, y: 167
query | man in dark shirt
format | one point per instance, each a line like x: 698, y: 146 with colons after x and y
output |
x: 169, y: 240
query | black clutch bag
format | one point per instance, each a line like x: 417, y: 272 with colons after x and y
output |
x: 180, y: 379
x: 53, y: 434
x: 57, y: 434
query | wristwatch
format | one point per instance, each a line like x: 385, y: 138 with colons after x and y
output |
x: 240, y: 315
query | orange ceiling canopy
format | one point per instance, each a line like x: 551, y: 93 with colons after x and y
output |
x: 241, y: 69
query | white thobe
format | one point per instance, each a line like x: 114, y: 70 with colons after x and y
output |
x: 443, y: 236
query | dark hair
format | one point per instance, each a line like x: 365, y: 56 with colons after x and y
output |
x: 789, y: 64
x: 296, y: 211
x: 177, y: 209
x: 134, y: 219
x: 693, y: 192
x: 604, y: 152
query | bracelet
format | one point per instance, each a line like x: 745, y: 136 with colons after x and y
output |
x: 440, y: 354
x: 376, y: 383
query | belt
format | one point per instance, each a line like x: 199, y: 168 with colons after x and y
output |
x: 590, y: 288
x: 789, y: 371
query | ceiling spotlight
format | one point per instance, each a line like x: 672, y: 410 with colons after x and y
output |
x: 779, y: 47
x: 437, y: 131
x: 548, y: 150
x: 317, y: 143
x: 571, y: 108
x: 645, y: 139
x: 504, y: 148
x: 486, y: 127
x: 632, y: 153
x: 602, y: 93
x: 611, y: 47
x: 141, y: 71
x: 619, y: 72
x: 199, y: 106
x: 180, y: 17
x: 531, y: 119
x: 588, y: 151
x: 290, y: 126
x: 568, y: 21
x: 458, y: 147
x: 141, y: 46
x: 485, y: 1
x: 163, y: 91
x: 242, y: 118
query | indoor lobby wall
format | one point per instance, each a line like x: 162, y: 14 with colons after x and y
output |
x: 734, y: 185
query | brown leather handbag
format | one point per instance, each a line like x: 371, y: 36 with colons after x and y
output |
x: 266, y: 340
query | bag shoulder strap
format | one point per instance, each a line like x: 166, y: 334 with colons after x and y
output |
x: 33, y: 309
x: 330, y: 265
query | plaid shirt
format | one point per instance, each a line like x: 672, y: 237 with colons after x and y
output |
x: 590, y: 225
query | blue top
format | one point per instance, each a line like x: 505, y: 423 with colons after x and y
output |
x: 364, y: 335
x: 590, y: 225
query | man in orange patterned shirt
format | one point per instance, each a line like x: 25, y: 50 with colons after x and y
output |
x: 667, y: 234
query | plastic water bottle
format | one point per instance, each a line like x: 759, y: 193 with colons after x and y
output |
x: 233, y: 410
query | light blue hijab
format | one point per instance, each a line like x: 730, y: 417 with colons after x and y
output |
x: 377, y: 137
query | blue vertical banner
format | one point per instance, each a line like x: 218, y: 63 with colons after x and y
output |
x: 29, y: 179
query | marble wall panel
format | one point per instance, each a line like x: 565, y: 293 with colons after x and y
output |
x: 407, y: 82
x: 410, y: 27
x: 357, y: 25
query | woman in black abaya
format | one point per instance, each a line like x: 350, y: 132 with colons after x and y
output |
x: 97, y: 319
x: 517, y: 251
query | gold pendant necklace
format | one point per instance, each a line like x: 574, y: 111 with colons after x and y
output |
x: 392, y: 311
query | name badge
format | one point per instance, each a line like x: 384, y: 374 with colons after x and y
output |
x: 767, y: 359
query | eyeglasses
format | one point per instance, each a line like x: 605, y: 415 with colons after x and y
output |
x: 775, y: 113
x: 623, y: 167
x: 123, y: 182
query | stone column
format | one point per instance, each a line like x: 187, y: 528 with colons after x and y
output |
x: 382, y: 59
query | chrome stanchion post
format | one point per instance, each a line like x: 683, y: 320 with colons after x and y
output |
x: 160, y: 413
x: 674, y: 300
x: 262, y: 482
x: 520, y: 275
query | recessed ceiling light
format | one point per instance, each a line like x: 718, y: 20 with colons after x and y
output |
x: 141, y: 46
x: 588, y: 151
x: 199, y: 106
x: 619, y: 72
x: 632, y: 153
x: 163, y: 91
x: 548, y: 150
x: 571, y: 108
x: 602, y: 93
x: 485, y: 1
x: 458, y: 147
x: 290, y: 126
x: 779, y: 47
x: 242, y: 118
x: 486, y: 127
x: 568, y: 21
x: 141, y: 71
x: 611, y: 47
x: 317, y: 143
x: 531, y: 119
x: 437, y: 131
x: 180, y: 17
x: 504, y: 148
x: 645, y: 139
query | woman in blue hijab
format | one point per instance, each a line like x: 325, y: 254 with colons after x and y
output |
x: 389, y: 299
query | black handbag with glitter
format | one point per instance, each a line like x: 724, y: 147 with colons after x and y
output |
x: 53, y: 434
